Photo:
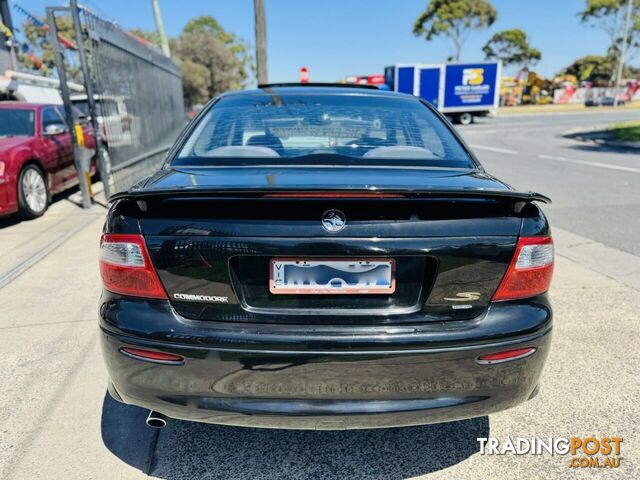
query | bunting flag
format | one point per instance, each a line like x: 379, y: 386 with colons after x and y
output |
x: 5, y: 30
x: 36, y: 61
x: 35, y: 21
x: 38, y: 23
x: 139, y: 39
x: 23, y: 46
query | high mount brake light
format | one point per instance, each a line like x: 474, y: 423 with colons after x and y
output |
x: 336, y: 195
x: 125, y: 267
x: 530, y: 271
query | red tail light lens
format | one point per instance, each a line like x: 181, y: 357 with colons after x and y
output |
x: 125, y: 267
x: 530, y: 271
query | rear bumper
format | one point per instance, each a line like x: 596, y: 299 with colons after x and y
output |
x: 323, y: 378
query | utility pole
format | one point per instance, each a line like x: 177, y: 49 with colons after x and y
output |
x: 623, y: 51
x: 261, y: 43
x: 164, y: 43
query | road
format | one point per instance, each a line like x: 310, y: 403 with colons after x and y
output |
x: 595, y: 191
x: 59, y: 423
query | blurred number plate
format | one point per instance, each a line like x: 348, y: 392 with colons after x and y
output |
x: 327, y: 276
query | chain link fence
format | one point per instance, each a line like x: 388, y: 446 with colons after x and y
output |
x: 138, y: 94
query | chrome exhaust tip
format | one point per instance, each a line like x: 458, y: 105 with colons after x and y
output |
x: 156, y: 420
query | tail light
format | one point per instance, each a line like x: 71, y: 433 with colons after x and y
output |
x: 125, y: 267
x: 529, y: 273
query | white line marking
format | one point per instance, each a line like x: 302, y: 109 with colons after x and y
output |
x: 494, y: 149
x: 498, y: 125
x: 591, y: 164
x: 478, y: 131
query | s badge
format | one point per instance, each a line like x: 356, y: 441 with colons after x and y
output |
x: 464, y: 297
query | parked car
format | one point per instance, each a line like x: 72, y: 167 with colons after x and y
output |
x: 36, y: 156
x: 116, y: 125
x: 324, y: 258
x: 194, y: 110
x: 605, y: 101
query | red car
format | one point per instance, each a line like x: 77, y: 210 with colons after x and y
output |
x: 36, y: 157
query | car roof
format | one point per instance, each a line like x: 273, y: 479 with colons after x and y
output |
x: 317, y: 89
x: 96, y: 96
x: 26, y: 105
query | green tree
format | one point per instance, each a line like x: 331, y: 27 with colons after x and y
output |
x: 594, y: 68
x: 38, y: 40
x: 454, y: 19
x: 153, y: 37
x: 211, y: 59
x: 195, y: 82
x: 609, y: 15
x: 149, y: 36
x: 209, y: 67
x: 512, y: 48
x: 605, y: 14
x: 208, y: 24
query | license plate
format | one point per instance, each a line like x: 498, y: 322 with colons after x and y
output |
x: 327, y: 276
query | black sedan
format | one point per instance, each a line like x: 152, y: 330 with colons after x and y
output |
x: 324, y: 257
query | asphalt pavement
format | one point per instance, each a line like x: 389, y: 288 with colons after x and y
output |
x: 58, y: 422
x: 595, y: 190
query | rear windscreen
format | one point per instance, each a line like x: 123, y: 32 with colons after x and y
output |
x: 349, y: 127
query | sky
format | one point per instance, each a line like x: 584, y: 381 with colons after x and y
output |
x: 336, y: 38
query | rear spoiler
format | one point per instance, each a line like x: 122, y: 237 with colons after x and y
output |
x: 519, y: 199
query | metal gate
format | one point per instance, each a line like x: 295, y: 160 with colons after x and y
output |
x: 132, y: 90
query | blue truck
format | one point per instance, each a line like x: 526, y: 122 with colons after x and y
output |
x: 461, y: 91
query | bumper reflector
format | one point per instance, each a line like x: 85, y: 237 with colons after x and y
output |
x: 505, y: 356
x: 152, y: 356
